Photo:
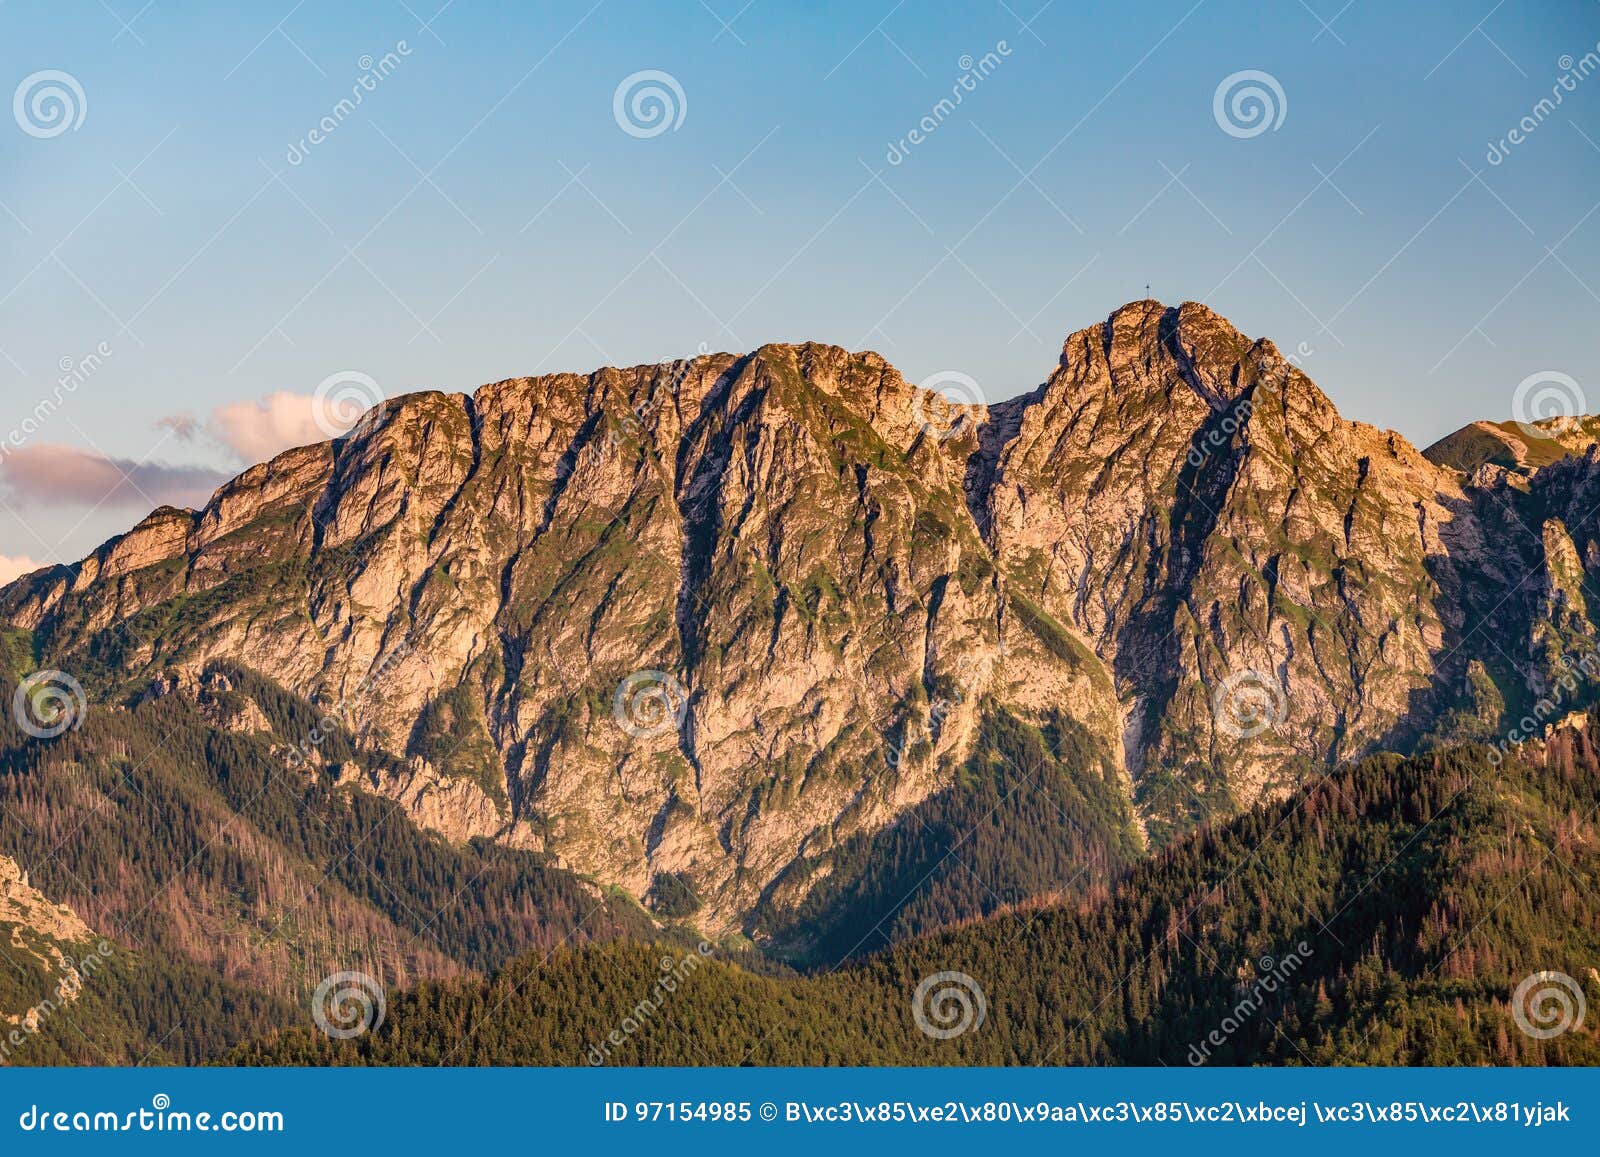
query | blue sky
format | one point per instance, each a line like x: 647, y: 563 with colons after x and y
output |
x: 482, y: 213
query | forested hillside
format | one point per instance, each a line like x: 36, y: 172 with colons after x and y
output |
x: 1384, y: 915
x: 498, y: 698
x: 230, y: 884
x: 1034, y: 812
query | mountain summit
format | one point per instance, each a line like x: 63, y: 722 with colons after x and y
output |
x: 697, y: 629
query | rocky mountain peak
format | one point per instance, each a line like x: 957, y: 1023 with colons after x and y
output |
x: 708, y: 619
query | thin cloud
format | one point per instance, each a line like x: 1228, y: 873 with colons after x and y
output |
x: 65, y: 476
x: 183, y: 426
x: 14, y: 568
x: 255, y: 431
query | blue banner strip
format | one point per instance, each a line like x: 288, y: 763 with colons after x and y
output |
x: 310, y: 1111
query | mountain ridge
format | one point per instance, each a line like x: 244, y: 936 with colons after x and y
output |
x: 828, y: 577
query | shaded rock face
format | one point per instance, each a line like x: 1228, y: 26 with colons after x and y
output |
x: 1236, y: 552
x: 708, y: 617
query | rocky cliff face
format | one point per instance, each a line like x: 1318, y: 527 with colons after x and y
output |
x: 37, y: 936
x: 704, y: 618
x: 24, y: 910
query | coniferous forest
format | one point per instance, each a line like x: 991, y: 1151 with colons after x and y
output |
x: 1421, y: 971
x: 1384, y: 913
x: 889, y: 537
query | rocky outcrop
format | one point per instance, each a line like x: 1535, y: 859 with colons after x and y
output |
x: 23, y: 908
x: 456, y: 808
x: 41, y: 934
x: 1193, y: 504
x: 709, y: 617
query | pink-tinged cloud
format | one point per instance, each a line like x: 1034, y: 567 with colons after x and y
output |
x: 183, y: 426
x: 255, y: 431
x: 14, y: 568
x: 57, y: 476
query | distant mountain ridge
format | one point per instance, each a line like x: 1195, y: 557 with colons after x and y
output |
x: 696, y: 629
x: 1515, y: 446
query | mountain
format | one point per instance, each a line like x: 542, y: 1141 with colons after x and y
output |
x: 759, y: 641
x: 39, y: 938
x: 1441, y: 910
x: 69, y: 995
x: 1517, y: 447
x: 223, y: 889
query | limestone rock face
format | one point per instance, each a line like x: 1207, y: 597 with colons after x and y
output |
x: 23, y: 908
x: 711, y: 616
x: 38, y: 933
x: 1194, y: 505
